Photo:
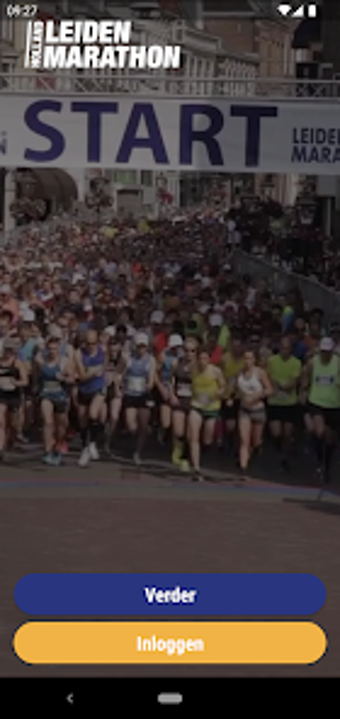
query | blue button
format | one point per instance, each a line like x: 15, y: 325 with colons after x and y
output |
x: 236, y: 595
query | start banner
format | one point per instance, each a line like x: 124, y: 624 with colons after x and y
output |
x: 226, y: 135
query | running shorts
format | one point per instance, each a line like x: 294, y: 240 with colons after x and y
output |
x: 206, y: 413
x: 11, y: 401
x: 60, y: 404
x: 143, y: 401
x: 331, y: 416
x: 287, y: 414
x: 184, y: 406
x: 86, y: 398
x: 255, y: 415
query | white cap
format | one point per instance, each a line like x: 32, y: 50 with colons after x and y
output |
x: 226, y: 267
x: 28, y: 316
x: 87, y: 307
x: 206, y: 281
x: 216, y: 320
x: 175, y: 341
x: 110, y: 330
x: 141, y: 338
x: 157, y: 317
x: 5, y: 290
x: 55, y: 331
x: 77, y: 277
x: 203, y: 309
x: 326, y: 345
x: 197, y: 276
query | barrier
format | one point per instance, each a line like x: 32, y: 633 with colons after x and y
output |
x: 281, y: 281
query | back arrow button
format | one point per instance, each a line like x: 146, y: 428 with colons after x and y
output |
x: 69, y: 698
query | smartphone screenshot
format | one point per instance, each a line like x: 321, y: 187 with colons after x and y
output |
x: 169, y: 351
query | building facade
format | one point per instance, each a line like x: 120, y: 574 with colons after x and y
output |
x: 255, y: 28
x: 317, y: 47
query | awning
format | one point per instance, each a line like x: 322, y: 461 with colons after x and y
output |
x: 307, y: 33
x: 54, y: 184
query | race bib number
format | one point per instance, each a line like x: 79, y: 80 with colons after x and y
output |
x: 137, y: 384
x: 204, y: 399
x: 325, y: 381
x: 184, y: 391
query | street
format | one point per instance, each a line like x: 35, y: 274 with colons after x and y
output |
x: 113, y: 517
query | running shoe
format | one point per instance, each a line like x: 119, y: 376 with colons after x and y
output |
x: 94, y: 454
x: 84, y: 458
x: 184, y: 465
x: 136, y: 458
x: 176, y: 456
x: 49, y: 459
x: 22, y: 439
x: 197, y: 477
x: 57, y: 459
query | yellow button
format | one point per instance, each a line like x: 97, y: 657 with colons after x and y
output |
x: 170, y: 642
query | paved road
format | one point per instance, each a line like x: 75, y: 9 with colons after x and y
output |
x: 114, y: 518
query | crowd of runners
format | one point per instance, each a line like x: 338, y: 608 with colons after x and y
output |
x: 145, y: 329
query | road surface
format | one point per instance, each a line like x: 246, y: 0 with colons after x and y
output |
x: 112, y: 517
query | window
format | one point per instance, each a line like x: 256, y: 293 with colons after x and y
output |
x: 126, y: 177
x: 147, y: 178
x: 7, y: 29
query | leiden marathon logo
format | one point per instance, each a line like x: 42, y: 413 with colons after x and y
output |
x: 87, y: 44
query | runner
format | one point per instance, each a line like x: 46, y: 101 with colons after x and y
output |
x: 254, y: 388
x: 115, y: 369
x: 180, y: 401
x: 165, y: 363
x: 29, y: 345
x: 53, y: 373
x: 90, y: 368
x: 321, y: 379
x: 139, y: 382
x: 208, y: 388
x: 232, y: 364
x: 85, y: 278
x: 284, y: 372
x: 13, y: 378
